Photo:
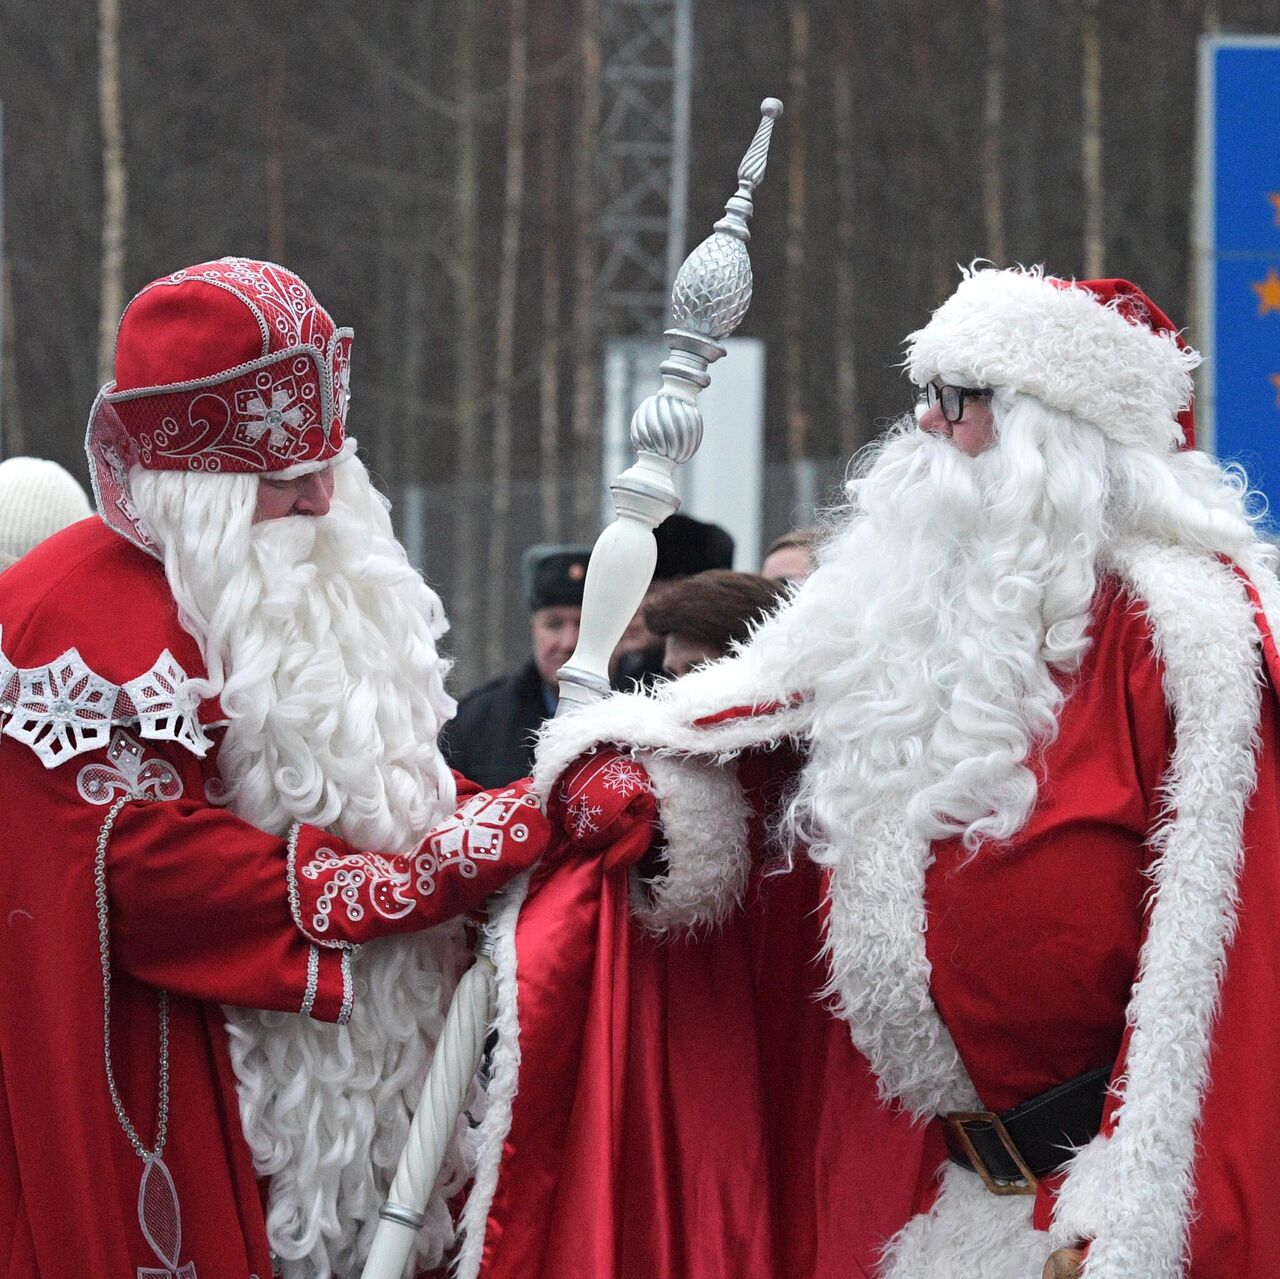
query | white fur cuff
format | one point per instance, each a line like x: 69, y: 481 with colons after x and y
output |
x: 704, y: 817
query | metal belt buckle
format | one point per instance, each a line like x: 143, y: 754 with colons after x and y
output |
x: 957, y: 1119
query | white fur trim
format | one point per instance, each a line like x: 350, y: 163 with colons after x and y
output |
x: 504, y: 1072
x: 703, y: 812
x: 1132, y: 1193
x: 1017, y: 329
x: 704, y: 818
x: 880, y: 973
x: 969, y: 1234
x: 666, y: 721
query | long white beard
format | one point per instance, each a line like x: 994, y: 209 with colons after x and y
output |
x: 932, y: 628
x: 321, y: 642
x: 950, y: 597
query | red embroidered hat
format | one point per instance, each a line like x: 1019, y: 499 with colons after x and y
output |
x: 229, y: 367
x: 1100, y: 350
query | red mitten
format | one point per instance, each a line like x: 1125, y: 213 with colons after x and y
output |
x: 605, y: 801
x: 341, y: 895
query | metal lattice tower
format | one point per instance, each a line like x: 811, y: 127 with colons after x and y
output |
x: 647, y: 53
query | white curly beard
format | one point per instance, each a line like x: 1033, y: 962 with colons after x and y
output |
x: 932, y: 628
x: 950, y: 607
x: 320, y: 640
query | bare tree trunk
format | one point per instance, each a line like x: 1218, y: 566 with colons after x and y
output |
x: 927, y: 152
x: 377, y: 415
x: 1154, y: 186
x: 852, y: 432
x: 499, y: 582
x: 586, y: 322
x: 414, y: 337
x: 277, y: 69
x: 114, y: 185
x: 467, y: 343
x: 14, y: 440
x: 797, y: 415
x: 992, y: 133
x: 1091, y: 141
x: 549, y: 365
x: 1199, y: 260
x: 413, y: 324
x: 1026, y: 145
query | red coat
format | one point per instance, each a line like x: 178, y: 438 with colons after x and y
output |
x: 201, y: 904
x: 720, y: 1121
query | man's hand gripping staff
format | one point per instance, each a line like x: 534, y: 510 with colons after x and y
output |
x: 343, y: 896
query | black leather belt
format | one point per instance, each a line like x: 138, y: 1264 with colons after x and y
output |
x: 1011, y: 1150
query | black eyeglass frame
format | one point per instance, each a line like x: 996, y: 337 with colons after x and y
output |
x: 952, y: 398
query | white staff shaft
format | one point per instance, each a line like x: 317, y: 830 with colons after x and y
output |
x: 621, y: 567
x: 444, y: 1095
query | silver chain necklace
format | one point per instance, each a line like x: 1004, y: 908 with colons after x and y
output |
x: 158, y: 1212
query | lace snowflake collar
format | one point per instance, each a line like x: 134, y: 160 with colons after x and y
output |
x: 64, y: 709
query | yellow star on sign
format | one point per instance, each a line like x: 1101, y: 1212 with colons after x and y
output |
x: 1275, y: 381
x: 1274, y: 197
x: 1268, y: 292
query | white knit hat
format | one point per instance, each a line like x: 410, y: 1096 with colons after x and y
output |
x: 37, y: 498
x: 1100, y: 350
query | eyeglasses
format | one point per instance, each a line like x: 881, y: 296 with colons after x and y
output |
x: 951, y: 398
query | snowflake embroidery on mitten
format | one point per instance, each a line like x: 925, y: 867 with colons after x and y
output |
x: 582, y: 818
x: 623, y: 776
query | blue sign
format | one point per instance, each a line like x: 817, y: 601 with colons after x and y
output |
x: 1240, y: 208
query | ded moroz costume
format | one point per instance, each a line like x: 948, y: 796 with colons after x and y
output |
x: 206, y: 722
x: 984, y: 823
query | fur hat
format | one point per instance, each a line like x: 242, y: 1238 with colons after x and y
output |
x: 554, y: 576
x: 687, y: 546
x: 37, y: 498
x: 227, y: 367
x: 1100, y: 350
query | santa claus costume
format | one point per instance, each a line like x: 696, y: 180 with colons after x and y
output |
x: 205, y: 722
x: 981, y: 827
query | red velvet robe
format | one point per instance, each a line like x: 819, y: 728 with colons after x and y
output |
x: 688, y: 1109
x: 201, y: 904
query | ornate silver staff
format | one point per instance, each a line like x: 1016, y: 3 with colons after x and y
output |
x: 711, y: 295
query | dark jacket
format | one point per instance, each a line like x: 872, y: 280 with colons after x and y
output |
x: 491, y: 738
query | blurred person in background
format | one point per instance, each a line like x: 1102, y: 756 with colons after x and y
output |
x: 491, y: 738
x: 38, y: 498
x: 700, y: 618
x: 791, y: 557
x: 216, y: 697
